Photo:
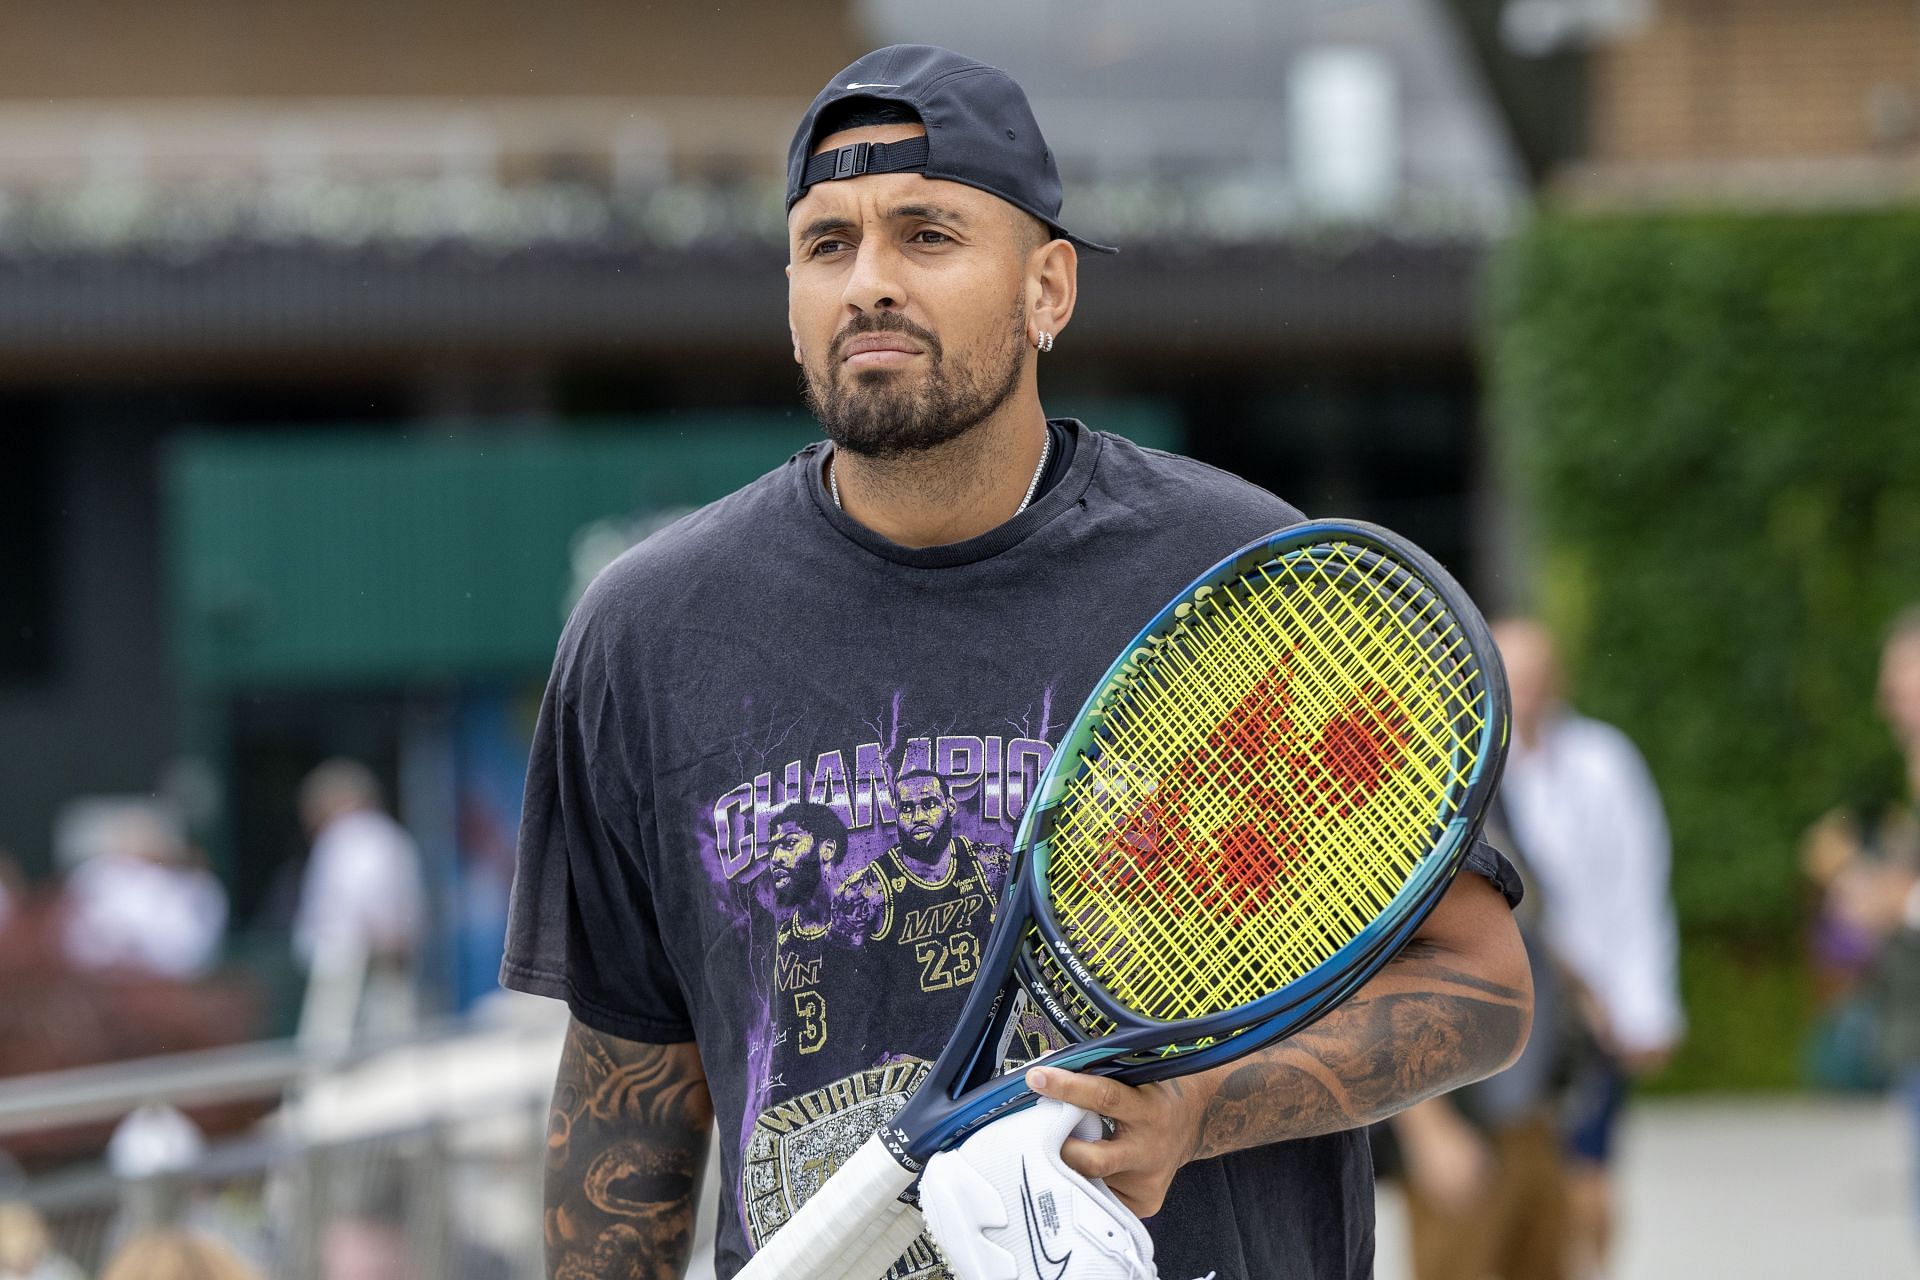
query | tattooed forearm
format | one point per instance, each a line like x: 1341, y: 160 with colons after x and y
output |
x: 626, y: 1139
x: 1422, y: 1027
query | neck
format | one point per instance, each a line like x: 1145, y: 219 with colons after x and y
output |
x: 1526, y: 732
x: 929, y: 862
x: 951, y: 492
x: 816, y: 912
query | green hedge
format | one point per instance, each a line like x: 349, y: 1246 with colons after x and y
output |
x: 1714, y: 424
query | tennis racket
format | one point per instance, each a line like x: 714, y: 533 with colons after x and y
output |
x: 1261, y: 801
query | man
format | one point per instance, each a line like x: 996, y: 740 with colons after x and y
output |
x: 1483, y: 1166
x: 804, y: 839
x: 362, y: 906
x: 144, y: 903
x: 928, y: 273
x: 933, y: 892
x: 1873, y: 885
x: 1585, y: 810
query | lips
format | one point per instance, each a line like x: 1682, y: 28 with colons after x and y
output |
x: 876, y: 343
x: 880, y: 350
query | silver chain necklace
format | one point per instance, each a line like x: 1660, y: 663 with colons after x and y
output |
x: 1033, y: 485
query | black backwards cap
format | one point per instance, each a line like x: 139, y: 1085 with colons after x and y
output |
x: 980, y: 131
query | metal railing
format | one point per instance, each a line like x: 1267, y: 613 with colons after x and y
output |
x: 429, y: 1147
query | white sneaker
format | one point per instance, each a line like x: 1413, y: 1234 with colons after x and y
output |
x: 1003, y: 1206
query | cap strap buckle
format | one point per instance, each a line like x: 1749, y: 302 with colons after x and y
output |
x: 864, y: 157
x: 851, y: 161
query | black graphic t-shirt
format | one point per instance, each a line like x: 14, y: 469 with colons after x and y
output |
x: 772, y: 794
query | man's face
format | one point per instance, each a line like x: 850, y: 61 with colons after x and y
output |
x: 926, y: 816
x: 908, y: 300
x: 1533, y: 684
x: 794, y: 858
x: 1900, y: 689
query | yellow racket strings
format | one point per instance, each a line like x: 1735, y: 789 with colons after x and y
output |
x: 1267, y: 782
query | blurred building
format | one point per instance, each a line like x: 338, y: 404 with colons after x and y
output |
x: 1747, y: 103
x: 338, y: 342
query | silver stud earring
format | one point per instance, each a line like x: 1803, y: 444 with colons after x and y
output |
x: 1043, y: 343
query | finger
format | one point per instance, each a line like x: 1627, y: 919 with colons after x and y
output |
x: 1094, y: 1159
x: 1097, y: 1094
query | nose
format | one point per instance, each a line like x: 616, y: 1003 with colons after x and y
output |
x: 875, y: 282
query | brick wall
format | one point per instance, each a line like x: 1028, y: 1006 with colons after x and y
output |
x: 1732, y: 80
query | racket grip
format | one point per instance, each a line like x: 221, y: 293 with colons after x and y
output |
x: 851, y: 1221
x: 882, y: 1247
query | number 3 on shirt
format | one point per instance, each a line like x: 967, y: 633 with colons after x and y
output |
x: 811, y: 1008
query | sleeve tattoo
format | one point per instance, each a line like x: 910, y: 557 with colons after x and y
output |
x: 626, y: 1142
x: 1421, y: 1028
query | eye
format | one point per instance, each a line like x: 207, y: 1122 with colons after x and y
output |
x: 826, y: 248
x: 927, y: 235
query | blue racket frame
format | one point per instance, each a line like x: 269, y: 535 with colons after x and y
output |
x: 963, y: 1090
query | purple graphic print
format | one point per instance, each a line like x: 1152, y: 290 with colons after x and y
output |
x: 864, y: 869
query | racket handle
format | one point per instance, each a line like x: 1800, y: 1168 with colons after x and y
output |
x: 854, y: 1219
x: 882, y: 1246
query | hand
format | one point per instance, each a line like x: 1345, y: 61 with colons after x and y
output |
x: 1448, y: 1163
x: 1155, y: 1127
x: 1640, y: 1063
x: 1872, y: 896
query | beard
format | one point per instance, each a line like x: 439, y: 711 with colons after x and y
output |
x: 926, y: 850
x: 800, y: 885
x: 885, y: 413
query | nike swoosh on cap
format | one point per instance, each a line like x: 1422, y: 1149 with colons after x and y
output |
x: 869, y: 86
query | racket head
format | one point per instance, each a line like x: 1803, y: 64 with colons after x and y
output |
x: 1245, y: 821
x: 1303, y: 742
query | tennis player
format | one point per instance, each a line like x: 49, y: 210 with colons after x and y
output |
x: 981, y: 564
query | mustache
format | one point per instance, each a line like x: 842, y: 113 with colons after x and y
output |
x: 882, y: 322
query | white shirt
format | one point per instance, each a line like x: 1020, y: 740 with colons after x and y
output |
x: 363, y: 890
x: 1589, y: 822
x: 125, y: 912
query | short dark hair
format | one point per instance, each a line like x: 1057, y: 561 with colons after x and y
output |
x: 861, y: 113
x: 817, y: 820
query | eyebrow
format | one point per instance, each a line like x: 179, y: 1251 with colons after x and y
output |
x: 899, y: 213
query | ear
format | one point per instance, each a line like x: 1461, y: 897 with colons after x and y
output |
x: 1053, y: 285
x: 791, y: 335
x: 829, y: 852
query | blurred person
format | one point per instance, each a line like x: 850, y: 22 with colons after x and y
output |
x: 1584, y: 807
x: 362, y: 904
x: 372, y: 1236
x: 26, y: 1248
x: 144, y: 904
x: 12, y: 884
x: 1875, y: 889
x: 173, y: 1254
x: 363, y: 1247
x: 1840, y: 854
x: 949, y: 535
x: 1484, y: 1167
x: 1856, y: 858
